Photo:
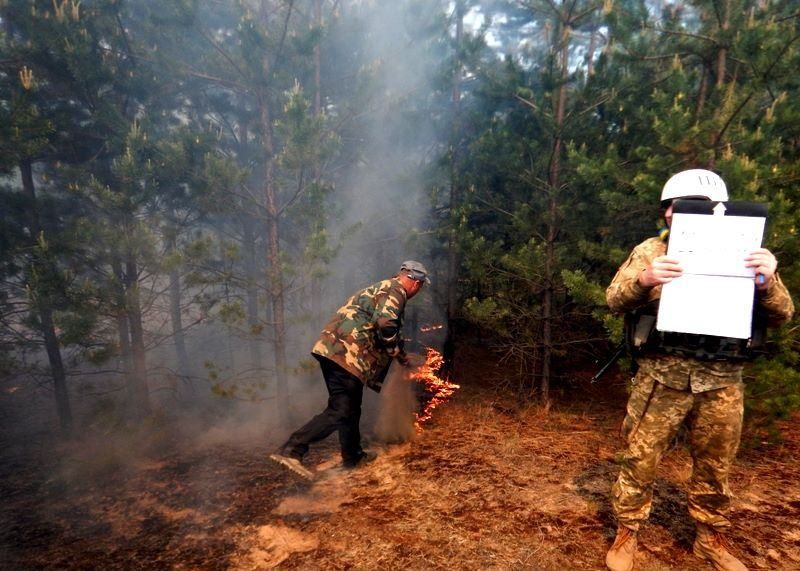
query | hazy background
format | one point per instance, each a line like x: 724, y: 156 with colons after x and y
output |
x: 378, y: 71
x: 189, y: 190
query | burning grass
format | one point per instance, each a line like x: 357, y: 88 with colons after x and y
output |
x: 437, y: 388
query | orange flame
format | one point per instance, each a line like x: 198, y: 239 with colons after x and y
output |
x: 440, y: 388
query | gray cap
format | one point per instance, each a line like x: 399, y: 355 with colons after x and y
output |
x: 416, y: 271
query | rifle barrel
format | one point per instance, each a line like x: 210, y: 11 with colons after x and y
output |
x: 610, y: 362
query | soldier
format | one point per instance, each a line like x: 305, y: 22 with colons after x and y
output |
x: 355, y: 348
x: 671, y: 385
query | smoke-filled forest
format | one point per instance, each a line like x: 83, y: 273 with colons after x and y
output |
x: 189, y: 189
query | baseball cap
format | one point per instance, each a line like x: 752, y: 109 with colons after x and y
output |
x: 416, y: 271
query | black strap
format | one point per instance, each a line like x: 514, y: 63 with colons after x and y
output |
x: 704, y: 347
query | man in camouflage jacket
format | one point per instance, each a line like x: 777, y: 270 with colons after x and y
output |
x: 668, y: 388
x: 355, y: 348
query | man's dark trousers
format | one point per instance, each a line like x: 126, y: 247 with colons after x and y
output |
x: 343, y: 413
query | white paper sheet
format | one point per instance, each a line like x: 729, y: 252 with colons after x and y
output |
x: 714, y: 245
x: 714, y: 296
x: 707, y: 305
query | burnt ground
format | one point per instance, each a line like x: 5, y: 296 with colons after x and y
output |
x: 488, y: 484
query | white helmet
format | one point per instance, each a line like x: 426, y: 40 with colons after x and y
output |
x: 695, y: 183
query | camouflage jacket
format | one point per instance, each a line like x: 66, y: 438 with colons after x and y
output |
x: 681, y: 372
x: 364, y: 333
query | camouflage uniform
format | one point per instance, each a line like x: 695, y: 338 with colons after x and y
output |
x: 364, y: 334
x: 355, y: 348
x: 669, y: 388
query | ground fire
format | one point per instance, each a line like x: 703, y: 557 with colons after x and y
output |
x: 436, y: 388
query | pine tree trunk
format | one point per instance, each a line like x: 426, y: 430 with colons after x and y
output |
x: 123, y: 329
x: 176, y: 319
x: 721, y: 71
x: 316, y: 282
x: 251, y: 270
x: 184, y: 368
x: 138, y: 378
x: 57, y: 370
x: 552, y: 216
x: 722, y: 54
x: 48, y: 329
x: 702, y: 94
x: 249, y: 236
x: 448, y: 353
x: 590, y: 53
x: 274, y: 259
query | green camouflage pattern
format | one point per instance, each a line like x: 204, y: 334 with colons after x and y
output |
x: 625, y: 294
x: 654, y: 415
x: 686, y: 373
x: 669, y: 388
x: 680, y: 372
x: 356, y: 337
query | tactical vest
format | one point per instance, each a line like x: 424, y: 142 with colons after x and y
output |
x: 642, y: 338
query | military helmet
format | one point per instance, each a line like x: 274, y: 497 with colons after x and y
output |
x: 694, y: 183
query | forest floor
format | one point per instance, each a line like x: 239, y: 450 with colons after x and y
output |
x: 488, y: 484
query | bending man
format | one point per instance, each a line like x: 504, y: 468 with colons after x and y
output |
x: 355, y: 348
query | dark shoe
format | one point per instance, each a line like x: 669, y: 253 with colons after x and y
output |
x: 713, y: 546
x: 366, y: 457
x: 292, y: 464
x: 620, y: 556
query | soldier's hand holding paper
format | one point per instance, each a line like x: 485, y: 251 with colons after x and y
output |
x: 662, y: 270
x: 764, y: 264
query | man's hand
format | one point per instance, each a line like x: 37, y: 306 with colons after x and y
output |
x: 764, y: 264
x: 662, y: 270
x: 402, y: 358
x: 399, y: 355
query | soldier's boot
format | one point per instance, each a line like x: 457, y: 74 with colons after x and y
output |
x: 713, y: 546
x: 620, y: 556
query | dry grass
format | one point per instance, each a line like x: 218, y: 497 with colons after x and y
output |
x: 488, y: 485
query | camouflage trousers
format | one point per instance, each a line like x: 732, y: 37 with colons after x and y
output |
x: 655, y: 412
